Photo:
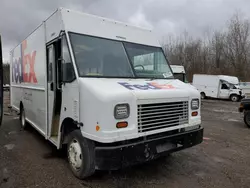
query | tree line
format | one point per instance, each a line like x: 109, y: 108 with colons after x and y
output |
x: 217, y: 52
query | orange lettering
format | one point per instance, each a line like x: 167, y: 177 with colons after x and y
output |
x: 162, y: 86
x: 28, y: 59
x: 32, y: 75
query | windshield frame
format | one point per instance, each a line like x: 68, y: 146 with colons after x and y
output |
x: 127, y: 56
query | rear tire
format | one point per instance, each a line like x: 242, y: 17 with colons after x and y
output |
x: 234, y: 98
x: 247, y: 118
x: 22, y: 118
x: 203, y: 95
x: 81, y: 155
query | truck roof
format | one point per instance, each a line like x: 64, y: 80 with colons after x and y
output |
x: 64, y: 19
x: 230, y: 79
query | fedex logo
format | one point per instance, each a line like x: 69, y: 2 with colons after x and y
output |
x: 23, y: 67
x: 147, y: 86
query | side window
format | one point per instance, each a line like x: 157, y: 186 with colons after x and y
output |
x: 224, y: 86
x: 50, y: 64
x: 67, y: 66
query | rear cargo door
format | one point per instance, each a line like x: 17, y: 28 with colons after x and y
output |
x: 1, y: 83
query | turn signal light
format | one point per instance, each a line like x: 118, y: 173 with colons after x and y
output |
x: 97, y: 128
x: 121, y: 124
x: 194, y: 113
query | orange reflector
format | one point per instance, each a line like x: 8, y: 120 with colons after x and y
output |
x: 194, y: 113
x: 121, y: 124
x: 97, y: 128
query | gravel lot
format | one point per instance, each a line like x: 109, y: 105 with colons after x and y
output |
x: 222, y: 160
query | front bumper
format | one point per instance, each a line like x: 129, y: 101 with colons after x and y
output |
x: 113, y: 157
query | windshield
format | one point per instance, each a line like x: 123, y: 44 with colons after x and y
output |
x: 234, y: 86
x: 148, y: 61
x: 227, y: 85
x: 100, y: 57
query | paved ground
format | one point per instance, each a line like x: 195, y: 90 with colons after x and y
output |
x: 222, y: 160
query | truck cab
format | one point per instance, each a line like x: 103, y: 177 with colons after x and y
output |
x: 228, y: 89
x: 105, y: 90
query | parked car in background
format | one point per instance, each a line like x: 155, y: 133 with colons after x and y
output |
x: 218, y: 86
x: 245, y: 109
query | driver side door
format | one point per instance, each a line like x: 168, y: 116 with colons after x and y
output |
x: 224, y: 91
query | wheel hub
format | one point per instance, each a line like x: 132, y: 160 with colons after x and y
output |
x: 234, y: 98
x: 75, y: 154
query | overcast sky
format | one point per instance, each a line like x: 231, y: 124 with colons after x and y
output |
x: 19, y: 17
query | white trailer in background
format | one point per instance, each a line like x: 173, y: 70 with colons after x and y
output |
x: 81, y: 81
x: 179, y: 72
x: 218, y: 86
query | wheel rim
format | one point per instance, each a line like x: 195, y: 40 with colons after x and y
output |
x: 234, y: 98
x: 75, y: 154
x: 23, y: 118
x: 202, y: 96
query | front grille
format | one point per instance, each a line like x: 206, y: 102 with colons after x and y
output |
x: 161, y: 115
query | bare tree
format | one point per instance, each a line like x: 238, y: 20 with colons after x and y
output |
x: 237, y: 46
x: 226, y: 52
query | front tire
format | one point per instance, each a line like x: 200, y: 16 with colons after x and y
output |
x: 247, y: 118
x: 81, y: 155
x: 234, y: 98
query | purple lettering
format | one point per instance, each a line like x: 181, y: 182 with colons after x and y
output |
x: 142, y: 87
x: 126, y: 85
x: 147, y: 86
x: 17, y: 71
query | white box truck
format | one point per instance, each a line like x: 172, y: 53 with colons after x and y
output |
x: 80, y: 81
x: 179, y: 72
x: 218, y: 86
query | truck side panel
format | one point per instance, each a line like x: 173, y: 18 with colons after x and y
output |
x: 54, y: 25
x: 28, y: 78
x: 209, y: 84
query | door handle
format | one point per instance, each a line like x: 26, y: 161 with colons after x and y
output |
x: 52, y: 86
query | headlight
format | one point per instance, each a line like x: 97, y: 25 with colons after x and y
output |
x: 195, y: 104
x: 121, y: 111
